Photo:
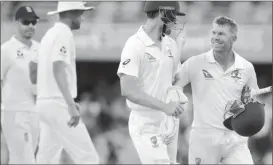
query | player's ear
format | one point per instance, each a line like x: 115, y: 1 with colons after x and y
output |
x: 233, y: 38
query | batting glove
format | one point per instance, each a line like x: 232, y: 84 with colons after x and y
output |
x: 170, y: 124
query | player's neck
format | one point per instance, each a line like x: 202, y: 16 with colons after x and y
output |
x: 225, y: 59
x: 66, y: 22
x: 23, y: 40
x: 152, y: 31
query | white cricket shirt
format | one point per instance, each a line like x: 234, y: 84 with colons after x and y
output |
x: 154, y: 67
x: 56, y: 45
x: 212, y: 88
x: 17, y: 89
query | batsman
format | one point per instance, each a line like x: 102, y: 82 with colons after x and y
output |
x: 225, y: 111
x: 149, y: 62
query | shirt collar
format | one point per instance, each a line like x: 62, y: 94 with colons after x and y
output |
x: 19, y: 43
x: 238, y: 64
x: 144, y: 37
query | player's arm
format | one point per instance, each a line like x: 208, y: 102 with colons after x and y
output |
x: 128, y: 72
x: 61, y: 58
x: 131, y: 90
x: 61, y: 80
x: 252, y: 79
x: 182, y: 76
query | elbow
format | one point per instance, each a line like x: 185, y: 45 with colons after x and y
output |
x: 129, y: 95
x: 125, y: 93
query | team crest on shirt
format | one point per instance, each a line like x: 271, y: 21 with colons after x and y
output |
x: 154, y: 141
x: 170, y: 53
x: 236, y: 75
x: 20, y: 54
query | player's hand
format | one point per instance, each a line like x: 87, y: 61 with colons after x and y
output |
x: 174, y: 108
x: 74, y: 111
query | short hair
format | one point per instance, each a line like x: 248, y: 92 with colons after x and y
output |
x: 223, y: 20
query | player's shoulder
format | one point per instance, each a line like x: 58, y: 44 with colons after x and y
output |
x: 245, y: 63
x: 199, y: 58
x: 134, y: 42
x: 8, y: 45
x: 57, y: 33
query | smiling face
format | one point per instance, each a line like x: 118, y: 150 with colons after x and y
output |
x: 222, y: 38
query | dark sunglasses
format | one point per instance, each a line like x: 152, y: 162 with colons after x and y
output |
x: 27, y: 22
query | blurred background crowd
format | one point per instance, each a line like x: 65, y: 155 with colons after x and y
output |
x: 99, y: 44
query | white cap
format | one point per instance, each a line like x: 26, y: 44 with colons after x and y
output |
x: 66, y: 6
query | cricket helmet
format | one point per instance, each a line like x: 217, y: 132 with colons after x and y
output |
x: 151, y: 6
x: 245, y: 119
x: 168, y: 10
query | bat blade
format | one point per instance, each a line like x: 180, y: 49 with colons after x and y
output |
x: 258, y: 92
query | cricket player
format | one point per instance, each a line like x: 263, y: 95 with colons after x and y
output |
x: 61, y: 127
x: 217, y: 77
x: 19, y: 117
x: 149, y: 61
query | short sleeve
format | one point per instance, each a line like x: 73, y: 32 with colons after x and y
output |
x: 252, y: 79
x: 6, y: 61
x: 130, y: 59
x: 61, y: 50
x: 184, y: 73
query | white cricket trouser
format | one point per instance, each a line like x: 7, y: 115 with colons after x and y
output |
x: 21, y: 132
x: 144, y: 129
x: 212, y: 146
x: 56, y: 135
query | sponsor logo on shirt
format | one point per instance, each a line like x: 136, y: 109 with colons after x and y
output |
x: 150, y: 57
x: 236, y: 75
x: 207, y: 75
x: 63, y: 50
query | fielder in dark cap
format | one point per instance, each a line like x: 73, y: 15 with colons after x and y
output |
x: 26, y: 19
x: 149, y: 62
x: 18, y: 78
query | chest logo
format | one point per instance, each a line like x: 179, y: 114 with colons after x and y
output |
x: 150, y: 57
x: 20, y: 54
x: 170, y: 53
x: 206, y: 74
x: 236, y: 75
